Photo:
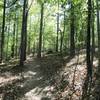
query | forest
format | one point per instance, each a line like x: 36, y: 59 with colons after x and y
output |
x: 49, y: 49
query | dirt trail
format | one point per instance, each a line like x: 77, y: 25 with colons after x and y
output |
x: 33, y: 82
x: 49, y: 78
x: 37, y: 86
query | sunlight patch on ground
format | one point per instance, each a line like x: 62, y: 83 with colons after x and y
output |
x: 47, y: 88
x: 39, y: 93
x: 32, y: 95
x: 29, y: 74
x: 82, y: 57
x: 1, y: 64
x: 95, y: 62
x: 7, y: 80
x: 39, y: 78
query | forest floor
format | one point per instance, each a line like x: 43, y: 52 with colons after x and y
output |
x: 52, y: 77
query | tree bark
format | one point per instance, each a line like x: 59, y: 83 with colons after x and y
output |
x: 88, y: 50
x: 7, y: 41
x: 98, y: 31
x: 16, y: 49
x: 72, y: 32
x: 23, y: 34
x: 13, y: 44
x: 2, y: 34
x: 41, y: 31
x: 62, y: 35
x: 93, y: 35
x: 57, y: 37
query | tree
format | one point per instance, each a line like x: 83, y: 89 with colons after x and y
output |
x: 88, y: 52
x: 97, y: 89
x: 87, y: 84
x: 93, y: 35
x: 64, y: 25
x: 13, y: 44
x: 98, y: 31
x: 72, y: 31
x: 29, y: 37
x: 23, y: 34
x: 8, y: 39
x: 41, y: 30
x: 57, y: 37
x: 17, y: 30
x: 2, y: 34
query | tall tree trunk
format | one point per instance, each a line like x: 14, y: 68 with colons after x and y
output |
x: 72, y: 32
x: 57, y: 37
x: 13, y: 44
x: 43, y: 46
x: 87, y: 84
x: 41, y: 30
x: 57, y: 45
x: 61, y: 41
x: 25, y: 43
x: 23, y: 34
x: 29, y: 38
x: 8, y: 40
x: 62, y: 35
x: 97, y: 88
x: 2, y: 34
x: 16, y: 49
x: 88, y: 50
x: 98, y: 31
x: 34, y: 48
x: 93, y: 35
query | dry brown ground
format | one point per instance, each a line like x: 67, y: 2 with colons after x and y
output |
x: 51, y: 78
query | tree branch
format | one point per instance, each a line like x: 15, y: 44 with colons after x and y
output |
x: 12, y: 4
x: 30, y: 6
